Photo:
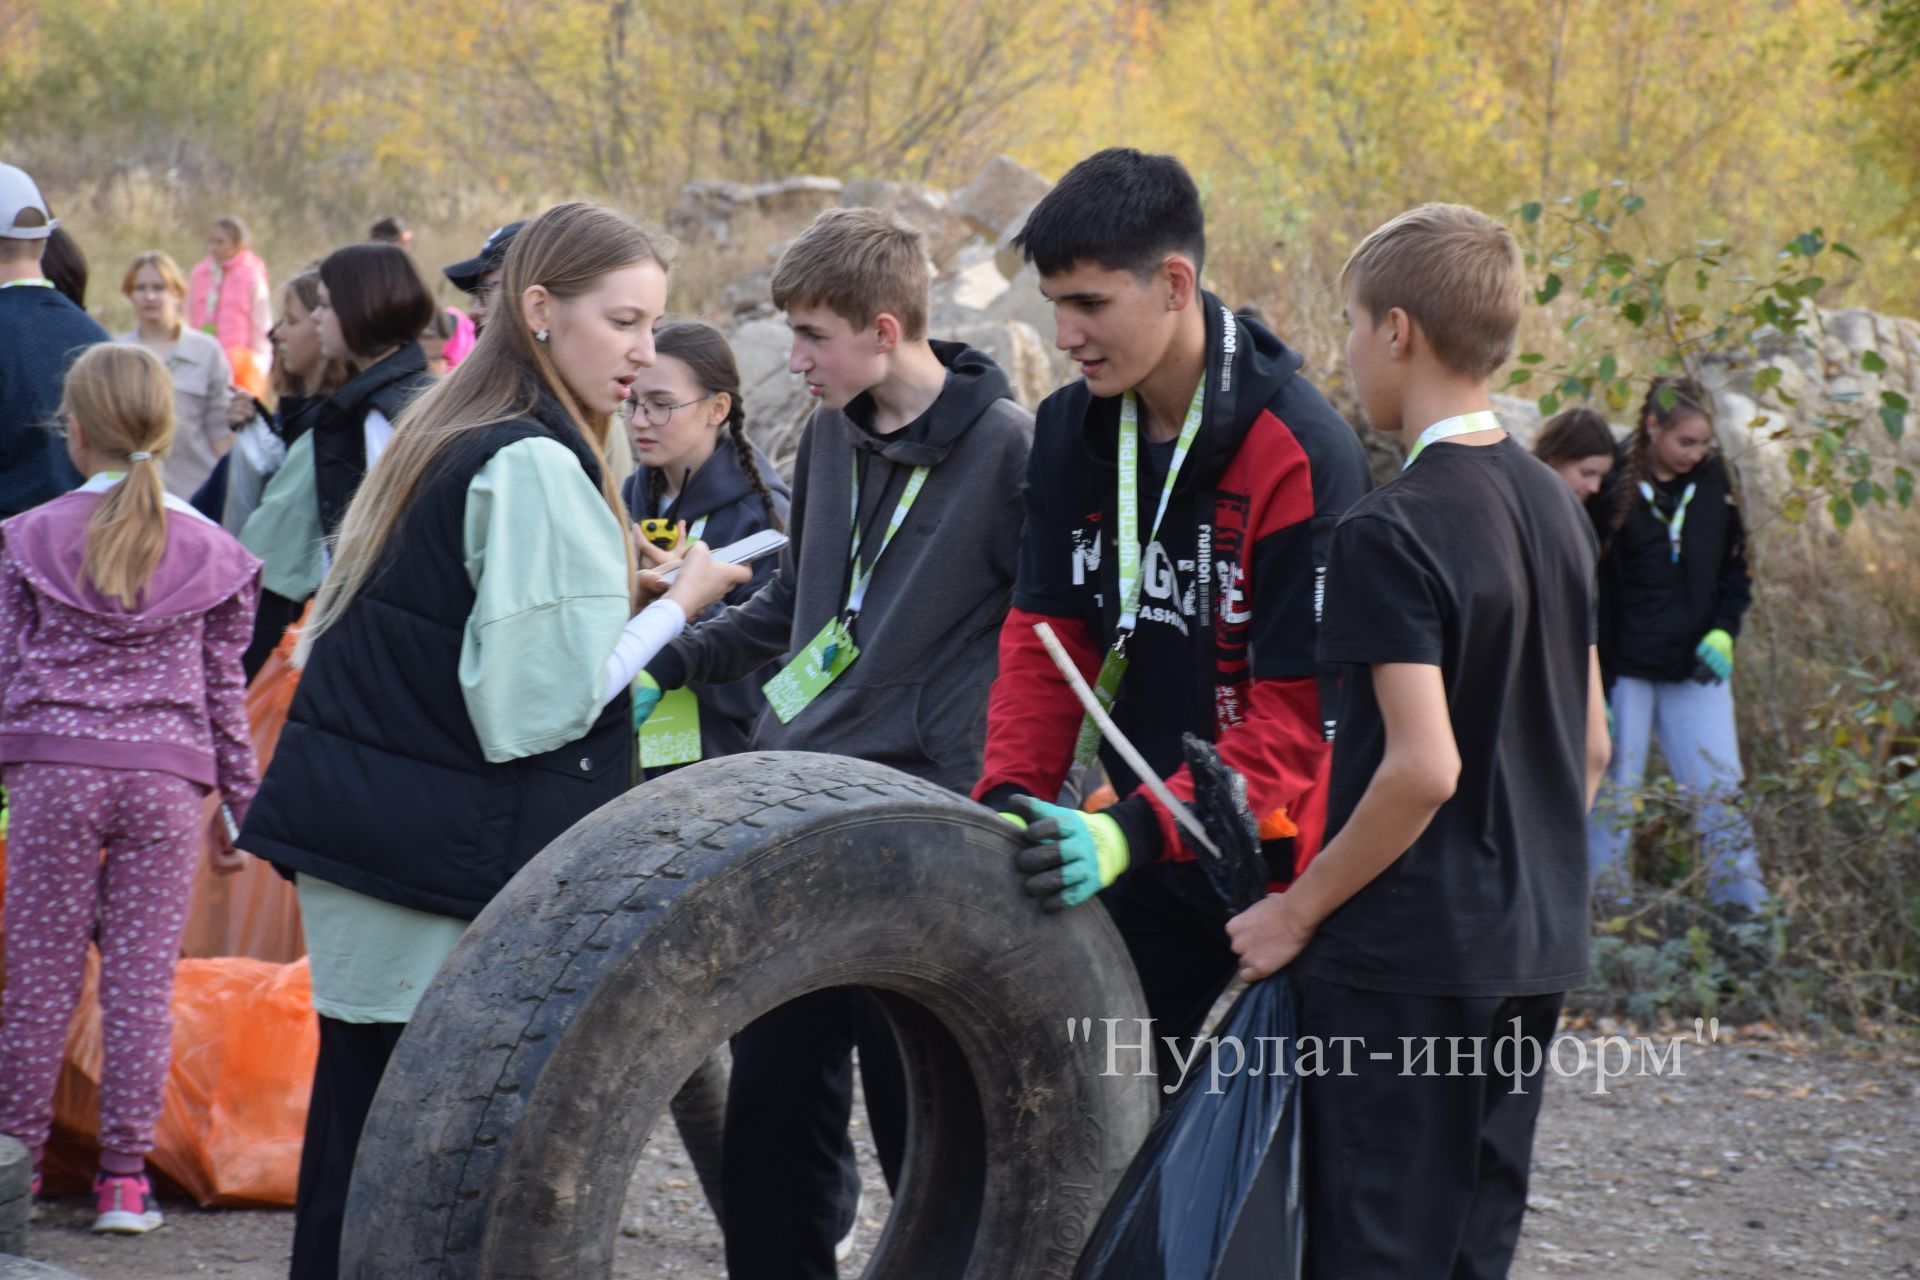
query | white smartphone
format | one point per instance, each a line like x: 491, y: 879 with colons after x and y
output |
x: 755, y: 546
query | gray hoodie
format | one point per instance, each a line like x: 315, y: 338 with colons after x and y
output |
x: 928, y: 634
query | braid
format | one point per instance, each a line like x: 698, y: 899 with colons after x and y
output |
x: 1633, y: 473
x: 737, y: 430
x: 656, y: 489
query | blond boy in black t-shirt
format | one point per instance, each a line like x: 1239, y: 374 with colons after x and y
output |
x: 1449, y: 907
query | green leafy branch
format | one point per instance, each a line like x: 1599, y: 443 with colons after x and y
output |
x: 1639, y: 312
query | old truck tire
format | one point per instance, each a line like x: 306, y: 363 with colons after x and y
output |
x: 511, y: 1116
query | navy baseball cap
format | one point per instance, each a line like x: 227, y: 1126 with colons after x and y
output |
x: 492, y: 256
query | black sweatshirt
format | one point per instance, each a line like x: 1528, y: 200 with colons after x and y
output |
x: 1653, y: 609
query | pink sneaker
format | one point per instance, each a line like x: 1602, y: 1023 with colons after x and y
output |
x: 124, y: 1204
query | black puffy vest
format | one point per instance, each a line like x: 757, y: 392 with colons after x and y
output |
x: 378, y: 783
x: 339, y: 426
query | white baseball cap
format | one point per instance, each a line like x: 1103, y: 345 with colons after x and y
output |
x: 18, y: 194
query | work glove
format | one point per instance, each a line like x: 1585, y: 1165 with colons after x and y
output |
x: 1070, y: 855
x: 1714, y: 656
x: 646, y: 696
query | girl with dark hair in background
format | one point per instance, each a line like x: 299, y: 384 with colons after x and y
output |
x: 369, y: 306
x: 1674, y: 586
x: 468, y: 660
x: 1579, y: 445
x: 688, y: 427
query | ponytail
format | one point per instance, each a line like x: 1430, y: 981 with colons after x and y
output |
x: 123, y: 400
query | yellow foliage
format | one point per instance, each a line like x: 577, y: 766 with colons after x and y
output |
x: 1305, y: 121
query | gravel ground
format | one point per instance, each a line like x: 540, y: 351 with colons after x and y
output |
x: 1763, y: 1157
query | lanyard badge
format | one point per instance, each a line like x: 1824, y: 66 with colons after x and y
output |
x: 1677, y: 521
x: 830, y: 652
x: 1113, y: 668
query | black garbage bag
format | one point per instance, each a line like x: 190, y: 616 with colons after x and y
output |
x: 1214, y: 1193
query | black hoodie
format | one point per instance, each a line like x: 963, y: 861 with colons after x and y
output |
x: 722, y: 494
x: 1229, y: 611
x: 915, y: 697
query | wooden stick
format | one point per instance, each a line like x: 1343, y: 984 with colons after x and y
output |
x: 1118, y: 740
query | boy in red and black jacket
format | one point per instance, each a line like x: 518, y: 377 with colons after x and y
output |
x: 1238, y: 469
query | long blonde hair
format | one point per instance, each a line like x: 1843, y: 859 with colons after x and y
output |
x: 567, y: 250
x: 123, y: 399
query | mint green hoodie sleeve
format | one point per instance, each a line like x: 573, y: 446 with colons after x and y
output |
x: 549, y: 571
x: 284, y: 530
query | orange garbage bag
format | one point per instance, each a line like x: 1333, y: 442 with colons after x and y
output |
x: 235, y: 1104
x: 234, y: 1107
x: 249, y: 371
x: 254, y: 912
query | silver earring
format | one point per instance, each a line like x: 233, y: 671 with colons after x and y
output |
x: 540, y: 335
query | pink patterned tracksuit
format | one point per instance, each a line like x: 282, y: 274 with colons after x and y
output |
x: 114, y: 723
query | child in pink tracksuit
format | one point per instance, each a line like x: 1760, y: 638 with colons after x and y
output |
x: 123, y: 615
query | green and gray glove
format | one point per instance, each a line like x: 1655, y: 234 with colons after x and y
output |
x: 1715, y: 653
x: 1070, y: 855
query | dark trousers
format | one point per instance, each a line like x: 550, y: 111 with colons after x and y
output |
x: 353, y: 1057
x: 1175, y: 928
x: 1415, y: 1176
x: 786, y: 1187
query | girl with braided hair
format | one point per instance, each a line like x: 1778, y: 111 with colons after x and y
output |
x: 1674, y: 586
x: 687, y: 422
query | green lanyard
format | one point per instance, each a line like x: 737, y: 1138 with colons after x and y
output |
x: 860, y: 579
x: 1447, y: 428
x: 1113, y: 668
x: 696, y: 529
x: 1128, y: 535
x: 1675, y: 523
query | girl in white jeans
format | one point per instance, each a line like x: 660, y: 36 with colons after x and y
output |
x: 1674, y: 587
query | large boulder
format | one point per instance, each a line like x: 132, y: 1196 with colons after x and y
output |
x: 1007, y: 255
x: 930, y: 210
x: 1023, y: 303
x: 999, y: 195
x: 777, y: 402
x: 797, y: 199
x: 1017, y: 349
x: 707, y: 210
x: 724, y: 213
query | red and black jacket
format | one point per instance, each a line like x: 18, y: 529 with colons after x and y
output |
x: 1229, y: 607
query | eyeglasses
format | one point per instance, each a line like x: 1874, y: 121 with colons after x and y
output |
x: 658, y: 414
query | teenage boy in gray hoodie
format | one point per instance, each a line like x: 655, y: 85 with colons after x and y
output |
x: 886, y: 611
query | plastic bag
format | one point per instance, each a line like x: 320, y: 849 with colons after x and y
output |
x: 1214, y: 1193
x: 254, y: 912
x: 234, y: 1109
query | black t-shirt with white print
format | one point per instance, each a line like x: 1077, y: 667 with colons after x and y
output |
x: 1478, y: 560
